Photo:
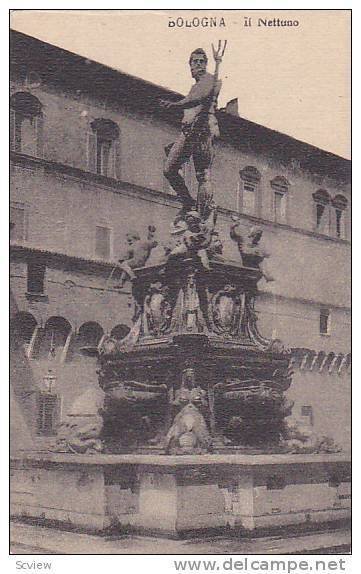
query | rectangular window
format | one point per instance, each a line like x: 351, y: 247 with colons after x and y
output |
x: 36, y: 276
x: 249, y: 198
x: 102, y: 242
x: 307, y: 413
x: 324, y: 321
x: 17, y: 222
x: 279, y: 207
x: 48, y: 413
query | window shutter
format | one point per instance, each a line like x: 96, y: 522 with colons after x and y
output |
x: 324, y: 321
x: 12, y: 129
x: 39, y: 130
x: 116, y: 160
x: 91, y: 152
x: 249, y: 199
x: 279, y: 202
x: 48, y: 413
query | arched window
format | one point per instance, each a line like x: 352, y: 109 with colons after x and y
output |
x: 339, y: 203
x: 119, y: 332
x: 88, y: 338
x: 322, y: 212
x: 104, y: 148
x: 249, y: 190
x: 56, y: 339
x: 23, y: 328
x: 280, y: 187
x: 26, y: 124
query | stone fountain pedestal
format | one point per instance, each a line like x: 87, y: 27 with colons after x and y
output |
x: 181, y: 495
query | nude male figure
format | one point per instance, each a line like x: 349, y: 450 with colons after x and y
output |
x: 199, y: 128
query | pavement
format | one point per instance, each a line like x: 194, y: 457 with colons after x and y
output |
x: 30, y: 539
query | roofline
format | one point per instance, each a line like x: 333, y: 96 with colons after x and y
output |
x: 117, y: 70
x: 44, y: 50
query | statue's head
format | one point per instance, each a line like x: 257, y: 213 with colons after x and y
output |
x: 193, y: 219
x: 198, y: 63
x: 191, y: 281
x: 255, y: 234
x: 132, y: 237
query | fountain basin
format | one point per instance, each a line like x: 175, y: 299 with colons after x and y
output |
x: 180, y: 495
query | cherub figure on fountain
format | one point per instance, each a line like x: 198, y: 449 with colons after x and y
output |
x: 252, y: 254
x: 136, y: 254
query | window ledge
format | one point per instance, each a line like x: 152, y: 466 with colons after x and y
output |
x: 36, y: 296
x: 329, y: 235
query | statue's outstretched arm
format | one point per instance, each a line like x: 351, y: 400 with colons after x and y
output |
x: 199, y: 92
x: 125, y: 255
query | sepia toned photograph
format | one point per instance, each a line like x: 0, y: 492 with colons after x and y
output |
x: 180, y: 322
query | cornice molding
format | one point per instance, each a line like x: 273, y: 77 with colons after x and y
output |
x: 147, y: 194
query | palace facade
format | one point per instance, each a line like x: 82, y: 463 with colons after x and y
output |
x: 87, y: 156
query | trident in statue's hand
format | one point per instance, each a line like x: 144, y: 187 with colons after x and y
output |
x: 219, y: 53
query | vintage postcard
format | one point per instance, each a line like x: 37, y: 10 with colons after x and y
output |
x: 180, y: 284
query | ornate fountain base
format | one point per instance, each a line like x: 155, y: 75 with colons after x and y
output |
x: 194, y: 375
x: 178, y: 496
